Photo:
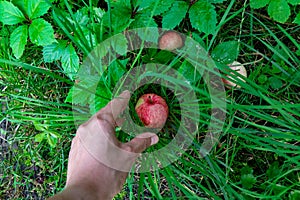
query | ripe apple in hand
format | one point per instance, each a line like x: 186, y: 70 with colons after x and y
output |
x: 152, y: 110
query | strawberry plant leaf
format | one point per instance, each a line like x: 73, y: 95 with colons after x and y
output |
x: 258, y: 3
x: 297, y: 19
x: 70, y: 61
x: 117, y: 69
x: 273, y: 170
x: 294, y: 2
x: 119, y: 44
x: 248, y: 180
x: 175, y: 15
x: 102, y: 97
x: 226, y: 52
x: 10, y: 14
x: 83, y: 92
x: 53, y: 52
x: 149, y: 6
x: 119, y: 18
x: 36, y: 8
x: 279, y: 10
x: 41, y: 32
x: 144, y: 20
x: 216, y: 1
x: 18, y: 40
x: 203, y: 17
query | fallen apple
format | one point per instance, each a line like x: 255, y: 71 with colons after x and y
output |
x: 239, y: 68
x: 170, y: 41
x: 152, y: 110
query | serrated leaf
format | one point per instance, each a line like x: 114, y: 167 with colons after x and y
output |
x: 119, y: 18
x: 36, y: 8
x: 297, y: 19
x: 119, y: 44
x: 10, y: 14
x: 273, y: 170
x: 203, y: 17
x: 279, y: 10
x: 175, y: 15
x: 70, y: 61
x: 258, y: 3
x: 144, y: 20
x: 41, y: 32
x: 102, y: 97
x: 294, y: 2
x: 39, y: 137
x: 150, y: 6
x: 226, y: 52
x: 18, y: 40
x: 189, y: 72
x: 116, y: 69
x: 53, y: 52
x: 216, y: 1
x: 248, y: 180
x: 84, y: 91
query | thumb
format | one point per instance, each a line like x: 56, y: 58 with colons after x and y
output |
x: 141, y: 142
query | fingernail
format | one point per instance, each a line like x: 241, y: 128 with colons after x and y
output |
x: 154, y: 139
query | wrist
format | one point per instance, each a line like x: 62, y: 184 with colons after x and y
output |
x: 82, y: 191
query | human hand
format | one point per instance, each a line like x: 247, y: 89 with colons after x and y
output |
x: 99, y: 163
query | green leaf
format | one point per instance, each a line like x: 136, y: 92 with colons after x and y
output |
x: 294, y: 2
x: 119, y: 18
x: 248, y: 180
x: 36, y: 8
x: 18, y: 40
x: 102, y: 97
x: 41, y: 32
x: 275, y: 82
x: 70, y: 61
x: 54, y: 52
x: 226, y: 52
x: 10, y: 14
x: 175, y: 15
x: 119, y: 44
x: 84, y: 91
x: 117, y: 69
x: 262, y: 79
x: 297, y: 19
x: 52, y: 141
x: 39, y: 137
x: 216, y: 1
x: 273, y: 170
x: 149, y: 6
x: 203, y: 17
x: 258, y: 3
x: 189, y: 72
x: 294, y: 195
x: 144, y: 20
x: 279, y: 10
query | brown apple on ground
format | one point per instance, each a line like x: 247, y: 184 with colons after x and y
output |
x: 152, y: 110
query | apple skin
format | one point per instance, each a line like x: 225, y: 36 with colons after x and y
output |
x: 152, y: 110
x: 170, y: 41
x: 239, y: 68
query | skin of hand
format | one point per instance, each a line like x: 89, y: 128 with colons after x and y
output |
x: 88, y: 177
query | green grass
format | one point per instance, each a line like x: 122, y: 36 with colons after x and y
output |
x: 257, y: 156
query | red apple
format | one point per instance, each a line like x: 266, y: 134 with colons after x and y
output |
x: 239, y: 68
x: 170, y: 41
x: 152, y: 110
